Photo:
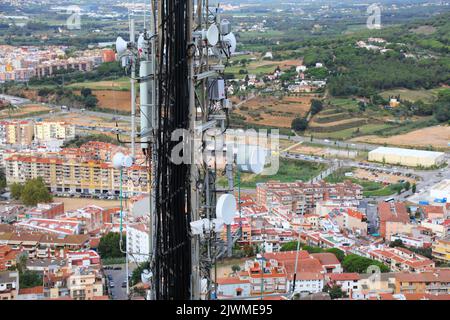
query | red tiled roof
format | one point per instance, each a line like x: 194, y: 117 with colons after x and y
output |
x: 395, y: 212
x: 33, y: 290
x: 343, y: 276
x: 231, y: 280
x: 326, y: 258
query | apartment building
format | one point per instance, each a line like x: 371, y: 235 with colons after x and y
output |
x: 16, y: 132
x: 46, y: 131
x: 441, y: 250
x: 43, y: 245
x: 138, y: 241
x: 432, y: 282
x: 396, y: 215
x: 85, y: 285
x: 70, y: 175
x: 303, y: 197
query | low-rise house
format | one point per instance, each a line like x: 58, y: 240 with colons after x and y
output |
x: 401, y: 259
x: 348, y: 282
x: 9, y: 285
x: 34, y: 293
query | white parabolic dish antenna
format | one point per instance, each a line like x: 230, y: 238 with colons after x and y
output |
x: 212, y: 35
x: 251, y: 159
x: 226, y: 208
x: 230, y: 39
x: 122, y: 161
x: 121, y: 45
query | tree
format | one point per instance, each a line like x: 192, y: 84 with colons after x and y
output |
x: 2, y: 179
x: 289, y: 246
x: 397, y: 243
x: 85, y: 92
x: 16, y: 190
x: 335, y: 291
x: 299, y: 124
x: 27, y: 278
x: 109, y: 246
x: 235, y: 268
x: 340, y: 255
x: 413, y: 189
x: 407, y: 185
x: 316, y: 106
x: 35, y: 191
x: 359, y: 264
x: 90, y: 101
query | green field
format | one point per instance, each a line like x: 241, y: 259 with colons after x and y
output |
x: 370, y: 188
x: 289, y: 171
x: 121, y: 84
x: 411, y: 95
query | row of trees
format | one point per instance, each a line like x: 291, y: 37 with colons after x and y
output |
x: 107, y: 70
x: 31, y: 193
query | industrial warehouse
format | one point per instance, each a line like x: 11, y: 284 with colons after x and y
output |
x: 407, y: 157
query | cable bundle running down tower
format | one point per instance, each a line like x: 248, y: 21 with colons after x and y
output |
x: 172, y: 247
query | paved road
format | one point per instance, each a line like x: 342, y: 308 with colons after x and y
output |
x: 118, y: 276
x: 14, y: 100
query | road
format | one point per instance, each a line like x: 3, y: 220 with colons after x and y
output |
x: 118, y: 276
x: 14, y: 100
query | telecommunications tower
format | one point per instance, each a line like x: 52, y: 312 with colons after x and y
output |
x: 180, y: 57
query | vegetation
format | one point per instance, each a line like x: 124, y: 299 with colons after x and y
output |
x: 335, y: 291
x: 426, y: 252
x: 79, y: 141
x: 34, y: 191
x: 2, y: 179
x: 27, y: 278
x: 136, y: 274
x: 359, y: 264
x: 106, y: 71
x: 109, y: 246
x: 292, y: 246
x: 289, y: 171
x: 370, y: 188
x: 299, y: 124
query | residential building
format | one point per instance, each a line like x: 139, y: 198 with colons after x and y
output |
x: 60, y: 175
x: 348, y: 282
x: 394, y: 213
x: 303, y: 197
x: 16, y: 132
x: 9, y: 285
x: 401, y: 259
x: 432, y: 282
x: 85, y: 284
x: 46, y: 131
x: 138, y: 241
x: 441, y: 250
